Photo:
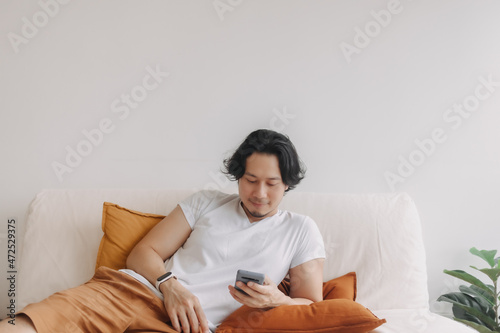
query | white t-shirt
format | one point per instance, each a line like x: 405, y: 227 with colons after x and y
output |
x: 223, y: 240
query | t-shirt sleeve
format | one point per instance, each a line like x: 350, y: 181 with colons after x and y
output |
x: 311, y: 244
x: 199, y: 203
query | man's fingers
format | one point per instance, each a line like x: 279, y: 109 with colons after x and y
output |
x: 201, y: 318
x: 193, y: 320
x: 183, y: 318
x: 245, y: 288
x: 174, y: 321
x: 256, y: 287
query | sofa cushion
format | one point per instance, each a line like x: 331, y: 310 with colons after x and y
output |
x: 123, y: 228
x: 378, y: 236
x: 418, y: 321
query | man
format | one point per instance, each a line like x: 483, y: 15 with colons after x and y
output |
x: 191, y: 257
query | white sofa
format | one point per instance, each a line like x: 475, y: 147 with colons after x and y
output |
x: 378, y: 236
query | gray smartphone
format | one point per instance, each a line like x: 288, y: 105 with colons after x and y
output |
x: 247, y: 276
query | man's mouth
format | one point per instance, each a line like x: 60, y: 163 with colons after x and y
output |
x: 257, y: 203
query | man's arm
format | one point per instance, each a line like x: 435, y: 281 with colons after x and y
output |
x: 160, y: 243
x: 306, y: 282
x: 148, y: 257
x: 306, y: 287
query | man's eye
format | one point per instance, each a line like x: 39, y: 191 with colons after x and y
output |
x: 273, y: 184
x: 251, y: 181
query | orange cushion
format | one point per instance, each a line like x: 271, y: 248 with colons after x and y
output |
x: 123, y: 229
x: 332, y: 315
x: 336, y: 313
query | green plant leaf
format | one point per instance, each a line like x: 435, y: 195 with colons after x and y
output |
x: 493, y: 273
x: 488, y: 256
x: 488, y: 321
x: 481, y: 296
x: 462, y: 314
x: 474, y: 290
x: 456, y: 297
x: 472, y: 309
x: 477, y: 327
x: 462, y: 275
x: 462, y: 299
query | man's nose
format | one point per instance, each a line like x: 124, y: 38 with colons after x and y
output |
x: 260, y: 191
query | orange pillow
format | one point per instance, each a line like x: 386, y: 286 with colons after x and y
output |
x: 332, y: 315
x: 336, y: 313
x: 123, y: 229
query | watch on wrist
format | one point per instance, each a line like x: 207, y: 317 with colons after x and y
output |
x: 163, y: 278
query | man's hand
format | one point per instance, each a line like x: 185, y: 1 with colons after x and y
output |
x: 266, y: 295
x: 183, y: 308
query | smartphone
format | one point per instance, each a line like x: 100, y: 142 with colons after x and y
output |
x: 247, y: 276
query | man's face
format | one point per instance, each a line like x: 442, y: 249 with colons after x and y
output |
x: 261, y: 187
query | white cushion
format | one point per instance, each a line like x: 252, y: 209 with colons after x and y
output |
x: 379, y: 237
x: 418, y: 321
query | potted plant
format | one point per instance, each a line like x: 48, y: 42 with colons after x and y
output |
x: 477, y: 305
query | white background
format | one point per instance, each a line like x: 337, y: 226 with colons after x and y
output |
x: 234, y: 66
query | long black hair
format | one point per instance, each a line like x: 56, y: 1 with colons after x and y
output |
x: 267, y: 142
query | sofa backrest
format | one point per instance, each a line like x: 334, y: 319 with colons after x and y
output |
x: 376, y: 235
x: 379, y: 237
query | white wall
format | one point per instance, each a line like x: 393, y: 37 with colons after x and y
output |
x: 250, y: 64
